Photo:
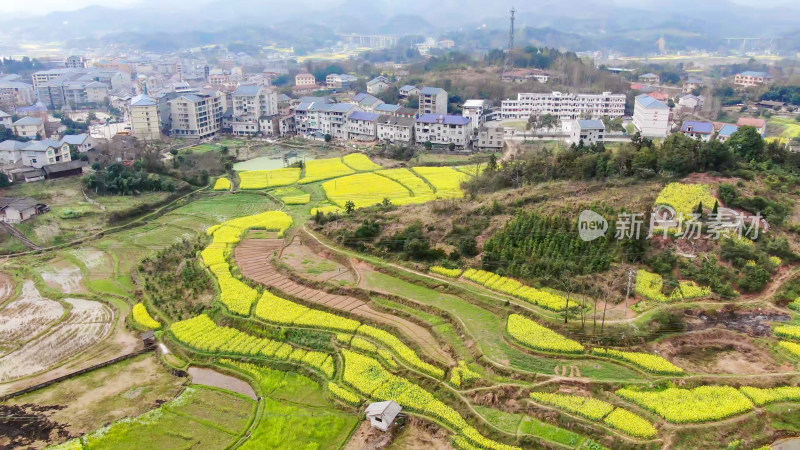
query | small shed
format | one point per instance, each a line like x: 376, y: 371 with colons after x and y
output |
x: 381, y: 415
x: 64, y: 169
x: 148, y: 338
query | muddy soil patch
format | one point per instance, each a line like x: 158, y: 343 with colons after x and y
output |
x: 718, y: 351
x: 213, y: 378
x: 63, y: 276
x: 22, y: 425
x: 754, y: 322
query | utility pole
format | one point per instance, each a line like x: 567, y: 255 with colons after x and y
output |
x: 628, y: 291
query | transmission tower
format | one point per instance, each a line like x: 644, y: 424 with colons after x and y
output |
x: 509, y: 63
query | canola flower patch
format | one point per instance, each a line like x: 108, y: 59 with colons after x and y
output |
x: 323, y: 169
x: 701, y: 404
x: 143, y: 318
x: 537, y: 337
x: 263, y: 179
x: 651, y: 363
x: 513, y: 287
x: 360, y: 162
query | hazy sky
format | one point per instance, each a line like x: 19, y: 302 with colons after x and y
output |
x: 46, y: 6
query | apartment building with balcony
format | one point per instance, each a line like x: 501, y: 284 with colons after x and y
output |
x: 443, y: 129
x: 651, y: 117
x: 395, y: 129
x: 362, y: 126
x: 751, y: 78
x: 563, y: 105
x: 197, y: 115
x: 250, y: 104
x: 145, y: 122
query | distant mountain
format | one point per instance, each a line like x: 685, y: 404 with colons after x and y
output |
x: 625, y: 25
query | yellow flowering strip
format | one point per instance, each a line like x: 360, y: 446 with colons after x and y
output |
x: 360, y: 162
x: 367, y: 376
x: 588, y: 407
x: 445, y: 180
x: 323, y: 169
x: 471, y: 169
x: 326, y: 210
x: 684, y: 197
x: 222, y: 184
x: 296, y: 199
x: 343, y: 394
x: 702, y: 404
x: 598, y: 410
x: 513, y: 287
x: 262, y: 179
x: 788, y: 332
x: 143, y: 318
x: 791, y: 347
x: 418, y: 187
x: 452, y: 273
x: 631, y: 424
x: 401, y: 349
x: 651, y: 363
x: 201, y: 333
x: 763, y: 397
x: 234, y: 294
x: 272, y: 308
x: 279, y: 310
x: 533, y: 335
x: 366, y: 189
x: 650, y: 285
x: 462, y: 374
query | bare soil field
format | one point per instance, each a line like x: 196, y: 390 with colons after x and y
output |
x: 85, y: 403
x: 88, y: 323
x: 719, y: 351
x: 26, y: 317
x: 317, y: 266
x: 63, y: 276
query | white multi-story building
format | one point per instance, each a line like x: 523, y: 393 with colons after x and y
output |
x: 475, y: 111
x: 251, y: 103
x: 62, y: 88
x: 29, y: 127
x: 14, y: 93
x: 407, y: 91
x: 145, y: 123
x: 563, y: 105
x: 377, y: 85
x: 327, y: 118
x: 197, y: 115
x: 587, y: 131
x: 751, y: 78
x: 443, y: 129
x: 432, y: 100
x: 80, y: 142
x: 11, y: 151
x: 40, y: 153
x: 491, y: 138
x: 5, y: 120
x: 651, y: 117
x: 362, y: 126
x: 395, y: 129
x: 340, y: 81
x: 304, y: 79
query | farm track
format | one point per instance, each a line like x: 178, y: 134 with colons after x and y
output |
x: 253, y: 256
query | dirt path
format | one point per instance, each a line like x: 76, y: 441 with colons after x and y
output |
x: 254, y: 257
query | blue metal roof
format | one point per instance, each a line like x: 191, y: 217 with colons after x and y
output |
x: 728, y: 130
x: 446, y: 119
x: 361, y: 115
x: 591, y: 124
x: 650, y: 102
x: 387, y: 107
x: 250, y: 90
x: 692, y: 126
x: 427, y: 90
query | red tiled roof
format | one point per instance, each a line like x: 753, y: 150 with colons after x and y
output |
x: 751, y: 122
